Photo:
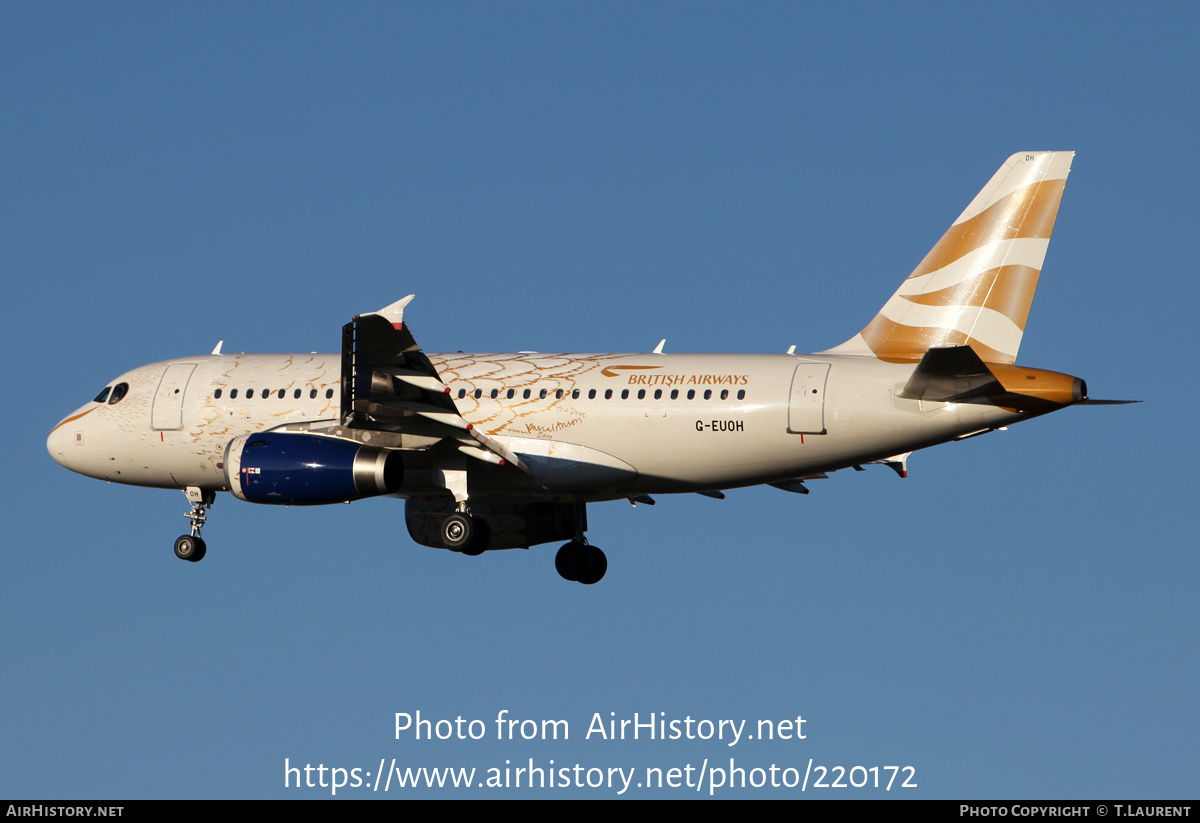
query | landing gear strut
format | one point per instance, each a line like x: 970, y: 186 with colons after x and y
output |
x: 191, y: 546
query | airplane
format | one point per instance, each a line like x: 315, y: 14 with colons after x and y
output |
x: 501, y: 451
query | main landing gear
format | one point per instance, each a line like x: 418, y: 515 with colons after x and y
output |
x: 581, y: 562
x: 469, y: 534
x: 191, y: 546
x: 462, y: 532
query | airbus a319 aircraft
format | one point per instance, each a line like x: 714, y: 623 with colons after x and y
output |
x: 502, y: 451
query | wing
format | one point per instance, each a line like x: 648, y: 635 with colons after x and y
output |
x: 389, y: 384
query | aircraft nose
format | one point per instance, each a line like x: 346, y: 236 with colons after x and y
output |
x: 54, y: 445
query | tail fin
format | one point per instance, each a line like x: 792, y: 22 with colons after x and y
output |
x: 976, y: 285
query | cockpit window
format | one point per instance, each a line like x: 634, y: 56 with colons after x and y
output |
x: 118, y: 393
x: 102, y: 396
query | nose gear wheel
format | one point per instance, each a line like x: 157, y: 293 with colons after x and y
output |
x: 191, y: 547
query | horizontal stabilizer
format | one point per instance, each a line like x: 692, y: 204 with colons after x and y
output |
x: 953, y: 373
x: 956, y: 374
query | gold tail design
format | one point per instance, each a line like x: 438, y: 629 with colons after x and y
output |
x: 976, y: 285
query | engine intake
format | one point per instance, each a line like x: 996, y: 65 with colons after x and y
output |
x: 306, y: 469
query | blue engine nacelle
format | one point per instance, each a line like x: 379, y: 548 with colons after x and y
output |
x: 307, y: 469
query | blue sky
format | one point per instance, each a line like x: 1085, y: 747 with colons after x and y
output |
x: 1016, y: 619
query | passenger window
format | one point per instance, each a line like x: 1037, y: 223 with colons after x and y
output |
x: 724, y: 394
x: 510, y: 393
x: 641, y: 394
x: 526, y: 394
x: 118, y: 393
x: 542, y: 394
x: 495, y: 393
x: 249, y: 394
x: 574, y: 394
x: 217, y: 394
x: 312, y: 394
x: 658, y: 394
x: 608, y: 394
x: 478, y: 393
x: 102, y: 396
x: 462, y: 393
x: 591, y: 394
x: 674, y: 394
x: 558, y: 395
x: 741, y: 394
x: 624, y: 394
x: 328, y: 394
x: 233, y: 394
x: 296, y: 395
x: 691, y: 394
x: 708, y: 394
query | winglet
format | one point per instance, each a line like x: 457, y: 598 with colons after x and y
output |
x: 394, y: 313
x: 217, y: 350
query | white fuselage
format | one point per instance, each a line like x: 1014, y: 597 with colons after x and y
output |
x: 590, y: 426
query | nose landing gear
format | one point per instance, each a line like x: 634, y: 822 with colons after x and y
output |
x: 188, y: 547
x: 191, y: 546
